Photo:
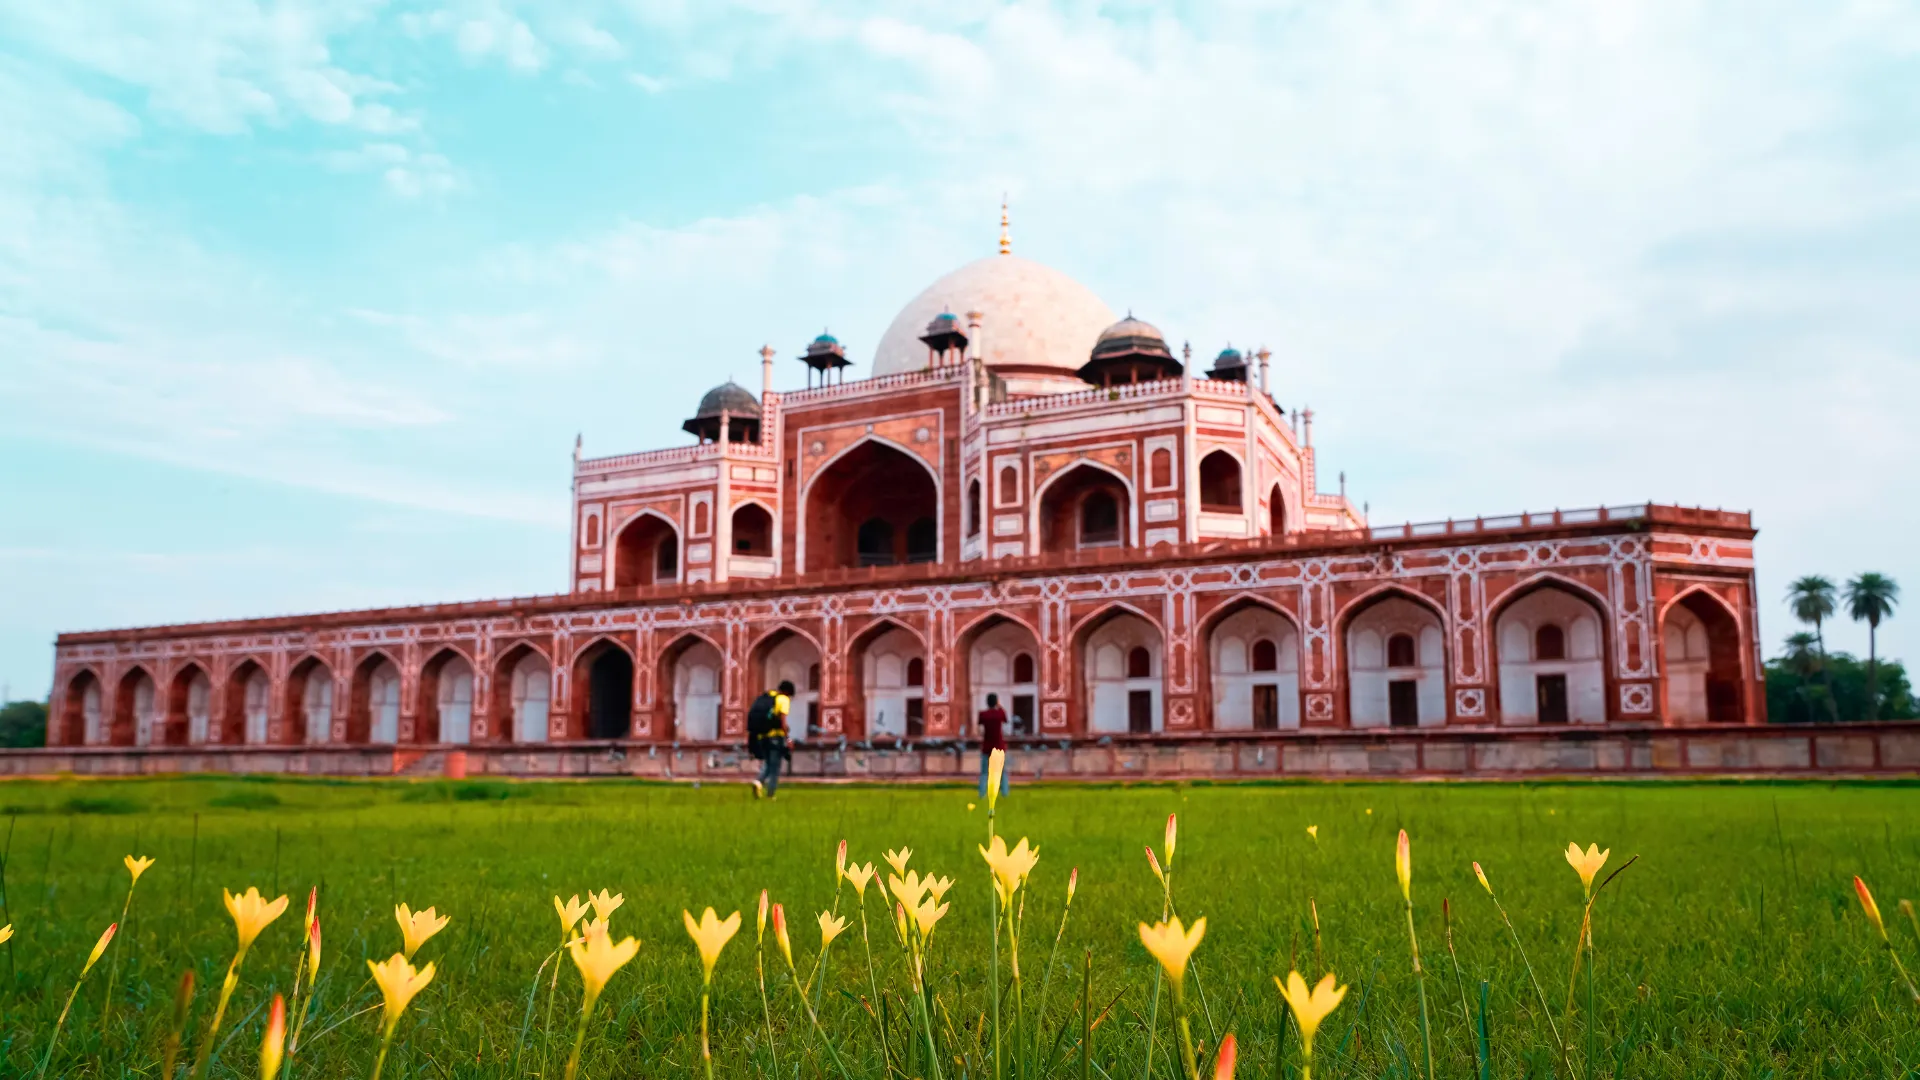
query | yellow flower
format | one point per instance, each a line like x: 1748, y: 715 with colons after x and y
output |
x: 1309, y: 1007
x: 273, y: 1045
x: 1313, y: 831
x: 937, y: 887
x: 1482, y: 875
x: 711, y: 934
x: 1403, y: 866
x: 1866, y: 902
x: 840, y: 861
x: 1588, y: 864
x: 900, y: 921
x: 1073, y: 882
x: 760, y: 921
x: 252, y: 913
x: 1010, y: 868
x: 898, y: 859
x: 927, y: 915
x: 399, y: 982
x: 598, y: 957
x: 996, y: 767
x: 136, y: 867
x: 418, y: 926
x: 969, y: 808
x: 830, y: 928
x: 570, y: 912
x: 6, y: 933
x: 1171, y: 944
x: 1223, y: 1062
x: 1154, y: 861
x: 861, y: 877
x: 909, y: 890
x: 606, y: 902
x: 100, y: 947
x: 1172, y: 833
x: 780, y: 933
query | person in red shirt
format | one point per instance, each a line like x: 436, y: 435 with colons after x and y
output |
x: 993, y: 736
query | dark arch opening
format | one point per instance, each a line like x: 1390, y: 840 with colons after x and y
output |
x: 864, y: 508
x: 1220, y: 483
x: 752, y: 530
x: 74, y: 724
x: 605, y: 710
x: 647, y: 552
x: 1276, y: 512
x: 1085, y: 507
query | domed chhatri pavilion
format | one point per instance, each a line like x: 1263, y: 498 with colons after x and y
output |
x: 1032, y: 496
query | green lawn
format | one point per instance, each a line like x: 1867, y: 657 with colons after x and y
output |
x: 1734, y: 947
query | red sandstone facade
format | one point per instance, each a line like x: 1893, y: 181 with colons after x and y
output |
x: 1121, y: 549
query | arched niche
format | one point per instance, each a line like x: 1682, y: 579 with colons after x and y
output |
x: 1700, y: 646
x: 1003, y: 659
x: 136, y: 709
x: 1122, y: 660
x: 788, y: 656
x: 691, y: 671
x: 444, y: 713
x: 1085, y: 507
x: 375, y: 713
x: 1253, y: 656
x: 891, y: 665
x: 874, y: 505
x: 189, y: 713
x: 522, y: 687
x: 85, y: 705
x: 646, y: 552
x: 602, y: 696
x: 1396, y: 659
x: 249, y: 704
x: 1549, y: 648
x: 309, y: 703
x: 1220, y: 483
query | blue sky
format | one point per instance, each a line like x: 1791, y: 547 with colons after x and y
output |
x: 302, y: 305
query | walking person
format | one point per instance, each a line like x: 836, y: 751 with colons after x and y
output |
x: 767, y: 737
x: 993, y: 736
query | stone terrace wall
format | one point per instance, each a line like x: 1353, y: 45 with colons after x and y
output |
x: 1887, y: 749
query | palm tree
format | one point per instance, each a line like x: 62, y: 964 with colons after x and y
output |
x: 1812, y: 601
x: 1803, y: 659
x: 1870, y: 598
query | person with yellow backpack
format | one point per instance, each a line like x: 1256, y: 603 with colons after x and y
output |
x: 767, y: 737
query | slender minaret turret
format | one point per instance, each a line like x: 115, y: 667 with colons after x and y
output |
x: 766, y: 370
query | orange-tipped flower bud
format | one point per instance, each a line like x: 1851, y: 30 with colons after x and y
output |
x: 1866, y: 902
x: 1223, y: 1063
x: 1403, y: 866
x: 273, y: 1045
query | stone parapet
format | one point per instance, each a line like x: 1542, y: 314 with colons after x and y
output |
x: 1617, y: 752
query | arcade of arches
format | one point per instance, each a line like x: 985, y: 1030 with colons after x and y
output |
x: 1549, y: 651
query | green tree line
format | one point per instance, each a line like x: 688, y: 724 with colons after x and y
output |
x: 1807, y: 684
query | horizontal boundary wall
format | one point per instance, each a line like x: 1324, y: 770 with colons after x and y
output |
x: 1885, y: 749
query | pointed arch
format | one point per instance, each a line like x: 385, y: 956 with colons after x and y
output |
x: 1119, y: 665
x: 1703, y: 658
x: 249, y: 702
x: 189, y: 706
x: 689, y: 687
x: 647, y: 549
x: 600, y: 703
x: 373, y: 698
x: 136, y: 703
x: 1393, y: 657
x: 879, y: 693
x: 307, y: 704
x: 987, y: 655
x: 444, y: 696
x: 839, y: 505
x: 1564, y: 681
x: 786, y: 652
x: 1043, y: 507
x: 520, y: 693
x: 83, y: 708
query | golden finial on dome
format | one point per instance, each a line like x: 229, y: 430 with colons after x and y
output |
x: 1006, y: 242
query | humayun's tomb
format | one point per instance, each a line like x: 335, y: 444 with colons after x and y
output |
x: 1029, y: 496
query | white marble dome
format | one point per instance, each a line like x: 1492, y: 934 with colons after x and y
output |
x: 1032, y: 317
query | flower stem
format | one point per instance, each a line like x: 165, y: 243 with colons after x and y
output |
x: 706, y: 1050
x: 580, y: 1036
x: 386, y: 1041
x: 873, y: 984
x: 1420, y: 983
x: 766, y: 1008
x: 821, y: 1031
x: 113, y: 969
x: 219, y: 1013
